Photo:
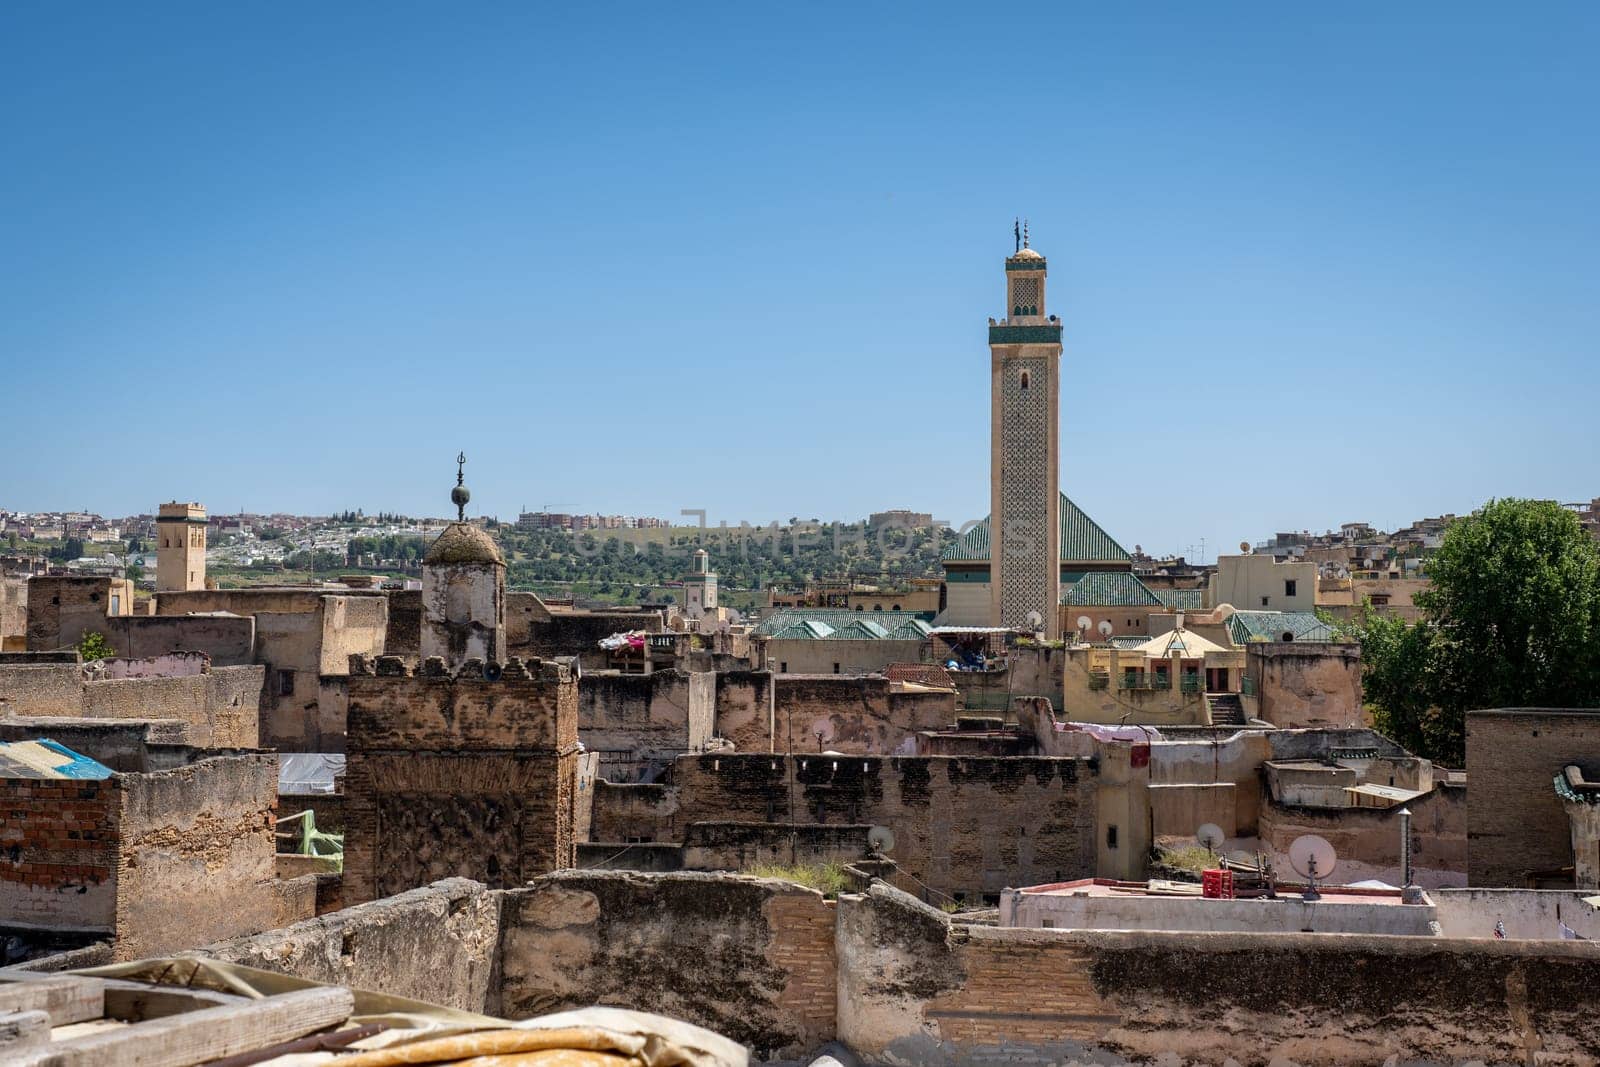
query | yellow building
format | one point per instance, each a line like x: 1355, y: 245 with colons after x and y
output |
x: 180, y: 547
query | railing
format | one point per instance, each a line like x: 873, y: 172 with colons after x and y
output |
x: 1160, y: 681
x: 1190, y: 684
x: 1133, y: 680
x: 1099, y: 681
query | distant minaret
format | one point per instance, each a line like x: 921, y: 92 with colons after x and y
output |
x: 463, y: 589
x: 700, y: 587
x: 1024, y: 458
x: 180, y: 547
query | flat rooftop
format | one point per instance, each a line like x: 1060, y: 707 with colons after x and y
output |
x: 1106, y: 888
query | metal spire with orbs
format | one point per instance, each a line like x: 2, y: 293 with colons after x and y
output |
x: 460, y: 494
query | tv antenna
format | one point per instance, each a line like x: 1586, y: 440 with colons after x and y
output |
x: 1211, y: 836
x: 1312, y: 858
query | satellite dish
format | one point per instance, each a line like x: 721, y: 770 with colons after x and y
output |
x: 1105, y: 627
x: 1312, y: 858
x: 1084, y: 622
x: 1035, y: 620
x: 492, y: 671
x: 1211, y: 836
x: 1244, y: 546
x: 880, y: 839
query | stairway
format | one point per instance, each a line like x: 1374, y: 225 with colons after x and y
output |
x: 1225, y: 709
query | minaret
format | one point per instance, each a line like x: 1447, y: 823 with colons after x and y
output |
x: 180, y: 547
x: 1024, y: 473
x: 463, y: 590
x: 700, y: 587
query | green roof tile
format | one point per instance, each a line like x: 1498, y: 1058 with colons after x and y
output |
x: 1082, y: 540
x: 1108, y: 589
x: 1272, y: 625
x: 832, y: 624
x: 1182, y: 599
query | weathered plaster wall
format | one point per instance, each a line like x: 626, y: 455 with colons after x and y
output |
x: 1526, y: 913
x: 1307, y: 684
x: 1516, y: 823
x: 915, y: 989
x: 41, y: 689
x: 228, y: 640
x: 220, y: 708
x: 436, y: 944
x: 631, y: 719
x: 805, y: 656
x: 195, y: 860
x: 744, y: 709
x: 750, y: 958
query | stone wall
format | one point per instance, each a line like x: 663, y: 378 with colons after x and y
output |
x: 964, y: 827
x: 841, y: 656
x: 1516, y: 824
x: 120, y: 744
x: 218, y: 708
x: 750, y: 958
x: 195, y: 857
x: 859, y: 715
x: 458, y: 776
x: 629, y: 720
x: 1307, y: 684
x: 62, y: 608
x: 915, y: 989
x: 436, y: 944
x: 41, y: 689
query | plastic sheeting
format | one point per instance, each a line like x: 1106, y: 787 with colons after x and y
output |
x: 308, y: 773
x: 1113, y: 733
x: 422, y: 1033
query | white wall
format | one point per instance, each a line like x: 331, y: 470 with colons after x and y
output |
x: 1289, y: 914
x: 1527, y: 913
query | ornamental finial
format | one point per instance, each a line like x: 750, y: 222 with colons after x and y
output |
x: 1016, y: 235
x: 1024, y: 233
x: 460, y: 494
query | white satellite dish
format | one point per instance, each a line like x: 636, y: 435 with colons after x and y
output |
x: 1312, y: 858
x: 1035, y: 620
x: 880, y: 839
x: 1244, y: 546
x: 1084, y: 622
x: 1211, y: 836
x: 1105, y: 627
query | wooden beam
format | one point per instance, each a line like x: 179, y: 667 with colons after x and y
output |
x: 22, y: 1032
x: 65, y: 998
x: 209, y: 1034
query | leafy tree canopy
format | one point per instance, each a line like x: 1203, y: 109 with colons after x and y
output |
x: 1512, y: 618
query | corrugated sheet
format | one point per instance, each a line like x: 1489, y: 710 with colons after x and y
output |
x: 47, y: 759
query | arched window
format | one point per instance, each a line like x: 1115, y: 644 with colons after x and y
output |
x: 1024, y: 379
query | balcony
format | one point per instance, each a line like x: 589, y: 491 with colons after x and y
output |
x: 1099, y: 680
x: 1190, y: 684
x: 1133, y: 680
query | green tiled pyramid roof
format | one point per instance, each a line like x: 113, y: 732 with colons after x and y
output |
x: 1108, y: 589
x: 824, y: 624
x: 1272, y: 625
x: 1082, y: 540
x: 1182, y: 599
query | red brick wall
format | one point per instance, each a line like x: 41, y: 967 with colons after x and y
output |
x: 58, y: 853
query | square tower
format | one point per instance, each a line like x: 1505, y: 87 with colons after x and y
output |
x: 700, y: 587
x: 180, y: 547
x: 1025, y: 479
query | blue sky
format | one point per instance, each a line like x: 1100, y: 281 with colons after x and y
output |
x: 1315, y: 264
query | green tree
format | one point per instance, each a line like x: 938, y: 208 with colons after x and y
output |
x: 95, y: 646
x: 1512, y: 618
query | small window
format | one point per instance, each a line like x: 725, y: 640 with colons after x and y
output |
x: 835, y: 668
x: 286, y: 683
x: 1264, y: 601
x: 1024, y: 379
x: 783, y: 668
x: 1111, y: 837
x: 1288, y: 587
x: 1047, y: 924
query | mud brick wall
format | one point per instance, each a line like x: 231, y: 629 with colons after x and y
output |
x: 41, y: 689
x: 195, y: 861
x: 458, y: 776
x: 916, y: 989
x: 1515, y: 821
x: 744, y: 716
x: 221, y: 707
x: 627, y: 718
x: 1307, y: 684
x: 967, y: 826
x: 858, y: 716
x: 750, y: 958
x: 58, y: 853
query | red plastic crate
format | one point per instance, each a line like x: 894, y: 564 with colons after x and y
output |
x: 1217, y: 885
